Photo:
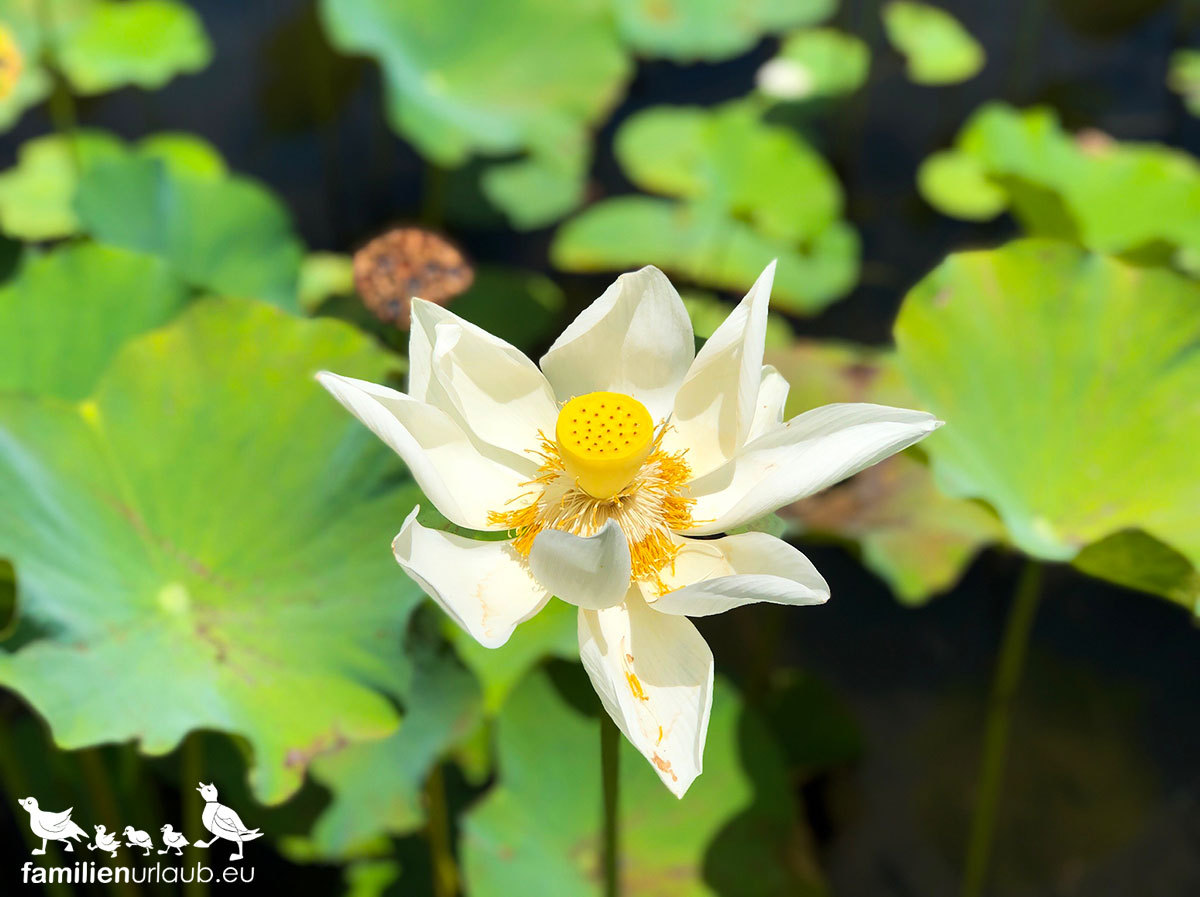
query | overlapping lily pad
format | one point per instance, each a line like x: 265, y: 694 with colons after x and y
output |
x: 168, y: 195
x: 203, y: 543
x: 221, y: 233
x: 746, y: 192
x: 939, y: 50
x: 66, y: 313
x: 911, y: 535
x: 377, y: 785
x: 458, y: 83
x: 538, y: 830
x: 815, y: 62
x: 1068, y: 382
x: 1112, y: 196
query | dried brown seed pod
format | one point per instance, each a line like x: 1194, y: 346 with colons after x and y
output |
x: 406, y: 262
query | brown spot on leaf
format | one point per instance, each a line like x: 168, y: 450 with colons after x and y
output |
x: 1093, y: 142
x: 405, y: 263
x: 322, y: 745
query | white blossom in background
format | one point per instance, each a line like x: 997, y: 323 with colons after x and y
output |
x: 606, y: 466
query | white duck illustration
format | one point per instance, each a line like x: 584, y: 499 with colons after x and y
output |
x: 223, y: 822
x: 136, y: 838
x: 105, y: 840
x: 51, y: 826
x: 173, y: 840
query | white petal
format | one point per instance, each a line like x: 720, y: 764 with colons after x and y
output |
x: 635, y: 339
x: 494, y: 390
x: 710, y: 576
x: 654, y: 675
x: 715, y: 405
x: 805, y: 455
x: 484, y: 586
x: 463, y: 483
x: 772, y: 397
x: 588, y: 571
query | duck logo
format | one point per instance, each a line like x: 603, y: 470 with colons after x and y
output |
x: 222, y: 823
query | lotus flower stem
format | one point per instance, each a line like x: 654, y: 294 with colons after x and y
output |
x: 1009, y: 666
x: 610, y: 745
x: 445, y: 872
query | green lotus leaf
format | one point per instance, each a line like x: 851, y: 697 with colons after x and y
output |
x: 203, y: 543
x: 711, y: 30
x: 226, y: 235
x: 911, y: 535
x: 707, y: 247
x: 1137, y: 560
x: 370, y: 878
x: 376, y: 785
x: 1183, y: 77
x: 458, y: 82
x: 1068, y: 384
x: 815, y: 62
x: 538, y: 830
x: 1111, y: 196
x: 539, y: 189
x: 37, y: 195
x: 957, y: 184
x: 66, y: 313
x: 729, y: 159
x: 134, y: 42
x: 938, y: 49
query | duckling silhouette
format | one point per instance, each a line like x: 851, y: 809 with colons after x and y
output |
x: 105, y: 840
x: 51, y: 826
x: 136, y: 838
x: 223, y: 822
x: 174, y: 840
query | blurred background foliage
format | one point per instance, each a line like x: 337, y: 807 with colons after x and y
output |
x: 194, y: 572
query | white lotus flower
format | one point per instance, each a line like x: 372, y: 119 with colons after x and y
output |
x: 605, y: 466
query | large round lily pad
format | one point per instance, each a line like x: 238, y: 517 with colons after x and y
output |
x: 203, y: 543
x: 913, y: 536
x: 1068, y: 382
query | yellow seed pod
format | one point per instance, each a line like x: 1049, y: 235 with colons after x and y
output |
x: 604, y: 437
x: 11, y: 62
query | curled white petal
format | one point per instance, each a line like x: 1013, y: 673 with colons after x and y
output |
x: 805, y: 455
x: 772, y: 397
x: 710, y: 576
x: 635, y: 339
x: 715, y: 406
x: 654, y: 675
x: 461, y: 481
x: 588, y: 571
x: 484, y: 586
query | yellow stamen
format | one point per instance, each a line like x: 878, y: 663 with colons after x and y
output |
x: 604, y: 438
x: 649, y: 506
